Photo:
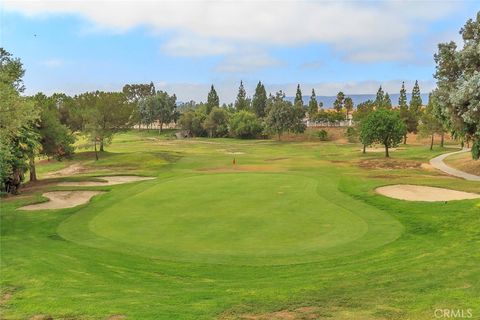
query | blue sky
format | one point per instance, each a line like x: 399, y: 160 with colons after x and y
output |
x: 184, y: 46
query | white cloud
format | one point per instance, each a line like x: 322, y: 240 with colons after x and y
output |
x: 53, y: 63
x: 360, y: 31
x: 189, y: 46
x: 243, y: 62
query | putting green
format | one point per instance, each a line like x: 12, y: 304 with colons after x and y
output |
x: 237, y: 218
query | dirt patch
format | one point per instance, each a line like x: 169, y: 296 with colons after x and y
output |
x: 62, y: 199
x: 386, y: 163
x: 246, y: 168
x: 5, y: 298
x: 379, y: 150
x: 108, y: 181
x: 276, y: 159
x: 41, y: 317
x: 71, y: 170
x: 427, y: 166
x: 305, y: 313
x: 235, y: 152
x: 423, y: 193
x: 117, y: 317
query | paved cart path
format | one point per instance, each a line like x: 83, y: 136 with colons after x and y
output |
x: 438, y: 163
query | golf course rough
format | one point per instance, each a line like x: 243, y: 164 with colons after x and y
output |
x: 385, y: 258
x: 234, y: 218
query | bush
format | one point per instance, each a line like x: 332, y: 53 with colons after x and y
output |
x: 216, y: 123
x: 351, y: 135
x: 245, y: 125
x: 323, y: 135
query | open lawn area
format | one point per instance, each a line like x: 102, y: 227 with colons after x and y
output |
x: 292, y: 230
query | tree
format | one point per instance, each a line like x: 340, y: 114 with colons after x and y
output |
x: 106, y: 114
x: 338, y: 103
x: 415, y: 108
x: 348, y: 104
x: 403, y: 108
x: 22, y: 148
x: 136, y: 94
x: 298, y: 97
x: 11, y: 71
x: 192, y: 122
x: 69, y: 112
x: 363, y: 110
x: 387, y: 102
x: 212, y: 100
x: 163, y: 108
x: 379, y: 99
x: 312, y: 106
x: 18, y: 140
x: 283, y: 116
x: 430, y: 124
x: 216, y: 122
x: 245, y: 125
x: 457, y: 74
x: 55, y: 139
x: 360, y: 114
x: 259, y: 100
x: 382, y: 126
x: 241, y: 103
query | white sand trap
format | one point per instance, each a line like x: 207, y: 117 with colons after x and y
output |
x: 109, y: 181
x: 63, y: 199
x: 422, y: 193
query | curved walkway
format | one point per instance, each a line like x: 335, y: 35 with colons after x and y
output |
x: 438, y: 163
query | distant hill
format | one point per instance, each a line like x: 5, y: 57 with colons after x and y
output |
x: 357, y: 98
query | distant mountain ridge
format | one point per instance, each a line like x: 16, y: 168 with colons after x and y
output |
x: 357, y: 98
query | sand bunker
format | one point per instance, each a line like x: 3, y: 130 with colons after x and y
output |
x: 73, y: 169
x: 109, y: 181
x: 63, y: 199
x: 423, y: 193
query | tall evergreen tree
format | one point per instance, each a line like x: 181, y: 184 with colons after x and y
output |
x: 212, y: 100
x: 380, y: 98
x: 298, y: 97
x: 387, y: 102
x: 312, y: 105
x: 403, y: 107
x: 415, y: 107
x: 348, y: 104
x: 416, y: 101
x: 338, y: 103
x: 241, y: 103
x: 259, y: 100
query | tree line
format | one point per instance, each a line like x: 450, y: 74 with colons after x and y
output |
x: 259, y: 116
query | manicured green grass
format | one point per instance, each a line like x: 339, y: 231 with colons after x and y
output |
x: 291, y: 225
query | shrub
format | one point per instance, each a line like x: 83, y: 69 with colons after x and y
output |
x: 323, y: 135
x: 351, y: 135
x: 245, y: 125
